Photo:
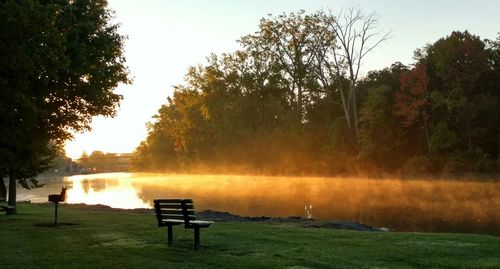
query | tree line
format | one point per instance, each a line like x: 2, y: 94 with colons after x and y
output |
x: 99, y: 162
x: 291, y: 101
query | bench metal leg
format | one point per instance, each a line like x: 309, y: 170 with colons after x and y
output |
x: 196, y: 238
x: 170, y: 236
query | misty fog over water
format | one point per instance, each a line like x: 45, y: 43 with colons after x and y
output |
x: 401, y: 205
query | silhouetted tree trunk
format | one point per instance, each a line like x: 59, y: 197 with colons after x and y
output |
x: 355, y: 117
x: 12, y: 192
x: 429, y: 148
x: 3, y: 190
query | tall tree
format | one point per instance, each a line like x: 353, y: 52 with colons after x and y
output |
x: 383, y: 142
x: 460, y: 67
x: 464, y: 101
x: 291, y: 40
x: 412, y: 100
x: 59, y: 64
x: 356, y: 35
x: 378, y: 130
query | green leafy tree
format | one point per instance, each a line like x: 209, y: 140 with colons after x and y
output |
x: 291, y: 40
x: 463, y: 98
x: 380, y: 132
x: 59, y: 64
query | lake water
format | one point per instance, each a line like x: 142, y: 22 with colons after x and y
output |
x: 401, y: 205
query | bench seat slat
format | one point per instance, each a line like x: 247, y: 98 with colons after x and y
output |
x: 199, y: 224
x: 202, y: 222
x: 173, y: 220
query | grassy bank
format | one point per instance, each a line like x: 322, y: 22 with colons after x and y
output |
x: 100, y: 238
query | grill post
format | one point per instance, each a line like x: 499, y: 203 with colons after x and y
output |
x: 55, y: 215
x: 56, y: 198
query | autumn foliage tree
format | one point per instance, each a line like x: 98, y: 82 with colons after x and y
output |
x: 412, y: 100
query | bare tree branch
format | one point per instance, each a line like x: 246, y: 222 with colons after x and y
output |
x: 357, y: 36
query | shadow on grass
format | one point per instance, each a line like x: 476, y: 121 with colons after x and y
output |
x: 10, y: 220
x: 59, y: 225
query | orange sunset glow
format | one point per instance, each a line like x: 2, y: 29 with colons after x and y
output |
x: 288, y: 134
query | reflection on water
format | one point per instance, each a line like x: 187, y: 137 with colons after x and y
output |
x: 96, y: 182
x: 115, y: 190
x: 403, y: 205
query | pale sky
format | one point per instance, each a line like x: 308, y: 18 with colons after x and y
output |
x: 165, y: 37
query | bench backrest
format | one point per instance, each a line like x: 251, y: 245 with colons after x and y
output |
x: 174, y: 209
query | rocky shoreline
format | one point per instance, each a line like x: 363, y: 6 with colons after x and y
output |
x: 219, y: 216
x: 306, y: 223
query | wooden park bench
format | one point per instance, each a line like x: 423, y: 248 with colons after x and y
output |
x: 171, y: 212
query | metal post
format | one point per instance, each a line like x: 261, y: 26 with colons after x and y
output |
x: 55, y: 216
x: 170, y: 235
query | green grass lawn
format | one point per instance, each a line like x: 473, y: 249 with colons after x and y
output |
x: 120, y: 239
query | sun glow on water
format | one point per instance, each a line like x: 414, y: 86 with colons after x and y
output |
x: 101, y: 189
